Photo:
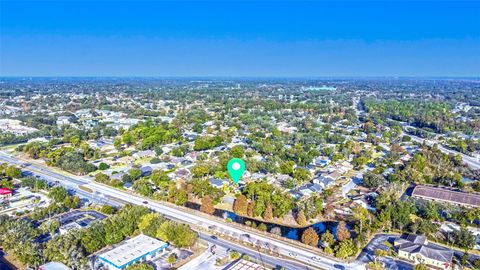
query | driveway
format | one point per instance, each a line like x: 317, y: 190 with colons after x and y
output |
x: 378, y: 242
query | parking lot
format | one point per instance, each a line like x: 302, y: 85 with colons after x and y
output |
x: 161, y: 261
x: 83, y: 218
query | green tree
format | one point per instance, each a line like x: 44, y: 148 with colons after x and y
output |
x: 287, y: 167
x: 150, y: 223
x: 345, y: 249
x: 140, y: 266
x: 262, y: 227
x: 107, y: 209
x: 102, y: 178
x: 103, y: 166
x: 420, y: 267
x: 372, y: 180
x: 58, y: 194
x: 135, y: 173
x: 50, y: 226
x: 201, y: 170
x: 234, y: 255
x: 179, y: 235
x: 171, y: 259
x: 159, y: 177
x: 327, y: 239
x: 302, y: 175
x: 13, y: 172
x: 361, y: 214
x: 238, y: 151
x: 464, y: 238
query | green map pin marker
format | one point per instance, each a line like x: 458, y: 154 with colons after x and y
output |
x: 236, y: 167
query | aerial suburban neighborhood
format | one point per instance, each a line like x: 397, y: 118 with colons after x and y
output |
x: 239, y: 135
x: 346, y: 174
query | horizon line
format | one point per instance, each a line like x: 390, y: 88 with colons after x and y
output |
x: 233, y: 77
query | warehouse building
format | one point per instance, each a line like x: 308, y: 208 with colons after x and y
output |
x: 140, y: 248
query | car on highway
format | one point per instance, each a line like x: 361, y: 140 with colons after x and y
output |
x: 315, y: 258
x: 214, y: 237
x: 339, y: 266
x: 145, y: 202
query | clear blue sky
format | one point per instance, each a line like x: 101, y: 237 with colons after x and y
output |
x: 248, y: 38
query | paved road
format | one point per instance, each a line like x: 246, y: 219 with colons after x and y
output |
x: 284, y: 248
x: 472, y: 162
x: 262, y: 259
x: 469, y: 160
x: 53, y: 178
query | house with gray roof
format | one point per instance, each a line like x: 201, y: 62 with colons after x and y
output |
x: 309, y: 189
x: 415, y: 248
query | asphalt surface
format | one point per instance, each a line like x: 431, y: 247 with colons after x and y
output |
x: 262, y: 259
x: 368, y: 253
x: 286, y: 249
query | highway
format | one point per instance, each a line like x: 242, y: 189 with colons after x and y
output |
x: 468, y: 160
x: 473, y: 163
x: 261, y: 258
x: 307, y: 257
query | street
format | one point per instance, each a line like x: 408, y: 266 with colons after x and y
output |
x: 285, y: 249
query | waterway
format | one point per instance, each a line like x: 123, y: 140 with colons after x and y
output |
x: 288, y: 232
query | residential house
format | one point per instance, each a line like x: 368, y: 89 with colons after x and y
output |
x: 324, y: 182
x: 218, y: 183
x: 146, y: 170
x: 144, y: 154
x: 416, y: 248
x: 310, y: 189
x: 63, y: 120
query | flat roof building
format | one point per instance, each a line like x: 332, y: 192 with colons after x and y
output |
x: 447, y: 196
x: 245, y: 265
x: 54, y: 266
x: 137, y: 249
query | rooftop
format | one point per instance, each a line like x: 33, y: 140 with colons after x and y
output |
x: 450, y: 196
x: 54, y: 266
x: 132, y: 250
x: 245, y: 265
x: 416, y: 244
x: 5, y: 191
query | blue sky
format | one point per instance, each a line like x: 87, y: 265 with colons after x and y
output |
x: 248, y: 38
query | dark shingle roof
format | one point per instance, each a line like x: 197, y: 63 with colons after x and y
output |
x: 416, y: 244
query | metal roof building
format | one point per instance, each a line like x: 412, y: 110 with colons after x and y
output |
x: 446, y: 195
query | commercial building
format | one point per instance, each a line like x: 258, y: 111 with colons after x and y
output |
x: 5, y: 193
x: 416, y: 248
x: 137, y: 249
x: 446, y: 196
x: 54, y: 266
x: 245, y: 265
